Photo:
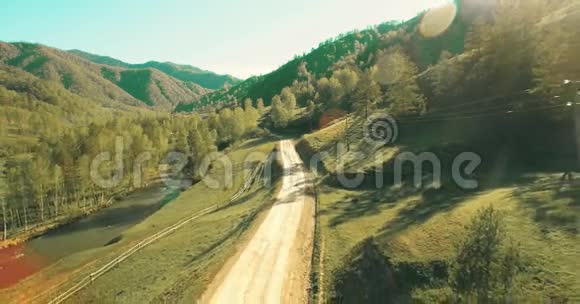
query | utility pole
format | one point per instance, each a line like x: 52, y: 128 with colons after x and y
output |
x: 573, y: 96
x: 576, y: 101
x: 347, y: 133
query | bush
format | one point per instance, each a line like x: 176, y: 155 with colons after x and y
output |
x: 486, y: 263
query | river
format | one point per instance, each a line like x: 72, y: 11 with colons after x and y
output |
x: 95, y: 230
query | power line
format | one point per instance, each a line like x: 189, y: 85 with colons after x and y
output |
x: 478, y: 110
x: 455, y: 118
x: 474, y: 102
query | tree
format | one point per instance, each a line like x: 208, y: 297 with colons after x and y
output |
x: 84, y: 175
x: 505, y: 51
x: 556, y: 54
x: 304, y: 74
x: 279, y: 113
x: 239, y: 123
x: 214, y: 123
x: 303, y: 86
x: 288, y: 99
x: 228, y: 125
x: 202, y: 143
x: 252, y: 114
x: 485, y: 264
x: 3, y: 129
x: 4, y: 197
x: 396, y: 70
x: 182, y: 142
x: 367, y: 93
x: 303, y: 91
x: 330, y: 91
x: 448, y: 78
x: 40, y: 179
x: 260, y: 106
x: 58, y: 181
x: 348, y: 79
x: 310, y: 106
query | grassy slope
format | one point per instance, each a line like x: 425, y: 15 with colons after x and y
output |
x: 414, y: 230
x: 192, y: 254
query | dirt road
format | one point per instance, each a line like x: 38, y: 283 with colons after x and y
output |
x: 274, y: 266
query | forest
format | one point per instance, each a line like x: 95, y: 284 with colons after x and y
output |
x: 513, y: 60
x: 50, y: 138
x: 50, y: 132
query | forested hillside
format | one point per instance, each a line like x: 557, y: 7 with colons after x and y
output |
x: 145, y: 86
x: 355, y: 48
x: 50, y: 137
x: 429, y: 56
x: 403, y: 235
x: 206, y: 79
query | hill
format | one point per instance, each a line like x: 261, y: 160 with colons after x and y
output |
x: 391, y: 232
x: 136, y: 87
x: 206, y: 79
x: 426, y: 39
x: 358, y: 47
x: 153, y: 87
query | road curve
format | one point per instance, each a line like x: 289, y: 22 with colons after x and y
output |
x: 278, y: 254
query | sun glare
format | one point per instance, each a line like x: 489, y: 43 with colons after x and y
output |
x: 438, y: 19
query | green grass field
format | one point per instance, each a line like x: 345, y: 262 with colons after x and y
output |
x: 176, y: 268
x: 404, y: 239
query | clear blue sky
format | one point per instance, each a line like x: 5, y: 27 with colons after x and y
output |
x: 241, y: 38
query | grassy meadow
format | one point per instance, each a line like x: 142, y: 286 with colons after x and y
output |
x: 398, y: 243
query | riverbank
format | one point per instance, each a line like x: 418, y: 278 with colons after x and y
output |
x: 97, y: 228
x: 38, y: 230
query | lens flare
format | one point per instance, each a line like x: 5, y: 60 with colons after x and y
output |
x: 437, y: 20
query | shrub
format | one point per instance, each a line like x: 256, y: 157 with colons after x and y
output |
x: 486, y: 263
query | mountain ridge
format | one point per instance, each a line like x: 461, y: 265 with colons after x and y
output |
x: 184, y: 72
x: 144, y: 87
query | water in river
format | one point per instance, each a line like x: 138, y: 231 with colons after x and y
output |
x: 95, y: 230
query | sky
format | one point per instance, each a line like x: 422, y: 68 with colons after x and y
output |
x: 240, y: 38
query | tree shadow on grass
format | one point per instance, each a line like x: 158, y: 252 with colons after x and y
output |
x: 359, y: 204
x: 553, y: 202
x: 432, y: 202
